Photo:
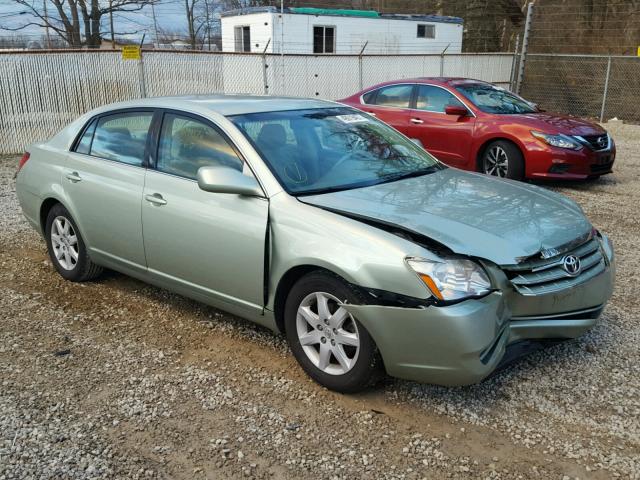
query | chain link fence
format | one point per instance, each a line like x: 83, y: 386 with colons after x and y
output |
x: 592, y: 86
x: 42, y: 92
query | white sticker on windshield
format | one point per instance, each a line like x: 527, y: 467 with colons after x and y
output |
x: 353, y: 118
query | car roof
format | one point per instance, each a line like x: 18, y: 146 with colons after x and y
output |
x: 223, y: 104
x: 433, y: 80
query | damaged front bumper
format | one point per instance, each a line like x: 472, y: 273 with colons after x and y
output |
x: 462, y: 344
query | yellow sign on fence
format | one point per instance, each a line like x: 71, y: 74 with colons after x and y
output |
x: 130, y: 52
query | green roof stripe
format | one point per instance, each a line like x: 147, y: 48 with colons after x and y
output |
x: 334, y: 11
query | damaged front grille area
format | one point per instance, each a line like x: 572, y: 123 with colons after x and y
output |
x: 543, y: 276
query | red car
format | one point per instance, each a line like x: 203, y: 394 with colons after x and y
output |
x: 478, y: 126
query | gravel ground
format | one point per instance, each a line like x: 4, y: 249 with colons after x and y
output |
x: 118, y: 379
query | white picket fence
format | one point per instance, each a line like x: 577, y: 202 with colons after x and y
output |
x: 40, y: 92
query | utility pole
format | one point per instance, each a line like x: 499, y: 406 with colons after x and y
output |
x: 525, y: 44
x: 282, y: 40
x: 46, y: 29
x: 113, y: 40
x: 155, y: 24
x: 206, y: 7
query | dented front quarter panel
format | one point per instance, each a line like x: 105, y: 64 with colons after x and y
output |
x: 304, y: 235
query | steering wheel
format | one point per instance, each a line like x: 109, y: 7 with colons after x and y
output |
x: 295, y: 173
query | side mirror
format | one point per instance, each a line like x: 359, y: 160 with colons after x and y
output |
x: 457, y: 110
x: 227, y: 180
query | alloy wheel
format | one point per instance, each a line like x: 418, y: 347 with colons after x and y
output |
x: 327, y: 333
x: 496, y: 162
x: 65, y: 243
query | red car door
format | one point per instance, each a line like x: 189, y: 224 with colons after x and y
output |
x: 447, y: 137
x: 390, y: 104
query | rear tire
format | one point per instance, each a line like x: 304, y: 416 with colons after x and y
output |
x: 330, y: 344
x: 67, y: 249
x: 502, y: 159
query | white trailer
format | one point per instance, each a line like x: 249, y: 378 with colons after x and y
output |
x: 331, y: 31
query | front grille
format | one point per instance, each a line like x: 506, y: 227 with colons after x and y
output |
x: 542, y: 276
x: 595, y: 142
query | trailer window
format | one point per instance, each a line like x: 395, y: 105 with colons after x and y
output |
x: 324, y: 39
x: 426, y: 31
x: 242, y: 38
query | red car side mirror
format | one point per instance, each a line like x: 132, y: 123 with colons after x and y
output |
x: 457, y: 110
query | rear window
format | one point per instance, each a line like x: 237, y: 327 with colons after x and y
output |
x: 392, y: 96
x: 84, y: 145
x: 120, y: 137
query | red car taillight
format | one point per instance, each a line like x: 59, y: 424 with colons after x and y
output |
x: 22, y: 161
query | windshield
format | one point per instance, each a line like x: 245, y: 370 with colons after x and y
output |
x: 492, y: 99
x: 322, y: 150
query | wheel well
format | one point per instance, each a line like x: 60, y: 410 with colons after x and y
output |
x: 484, y: 146
x: 46, y: 206
x: 284, y: 286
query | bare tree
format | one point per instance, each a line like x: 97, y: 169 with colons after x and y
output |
x: 192, y: 28
x: 207, y: 16
x: 77, y: 22
x: 202, y: 22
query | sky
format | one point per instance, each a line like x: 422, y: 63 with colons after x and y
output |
x: 170, y: 15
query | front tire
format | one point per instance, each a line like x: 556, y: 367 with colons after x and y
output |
x: 67, y: 249
x: 502, y: 159
x: 330, y: 344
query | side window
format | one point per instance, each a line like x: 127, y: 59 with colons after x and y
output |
x: 324, y: 39
x: 84, y: 144
x: 426, y: 31
x: 122, y: 137
x: 394, y: 96
x: 435, y: 99
x: 369, y: 97
x: 242, y: 38
x: 187, y: 144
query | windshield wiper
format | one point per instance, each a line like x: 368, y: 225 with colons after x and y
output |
x: 386, y: 179
x: 416, y: 173
x: 318, y: 191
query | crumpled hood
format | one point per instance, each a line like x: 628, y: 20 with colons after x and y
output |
x: 556, y: 123
x: 472, y: 214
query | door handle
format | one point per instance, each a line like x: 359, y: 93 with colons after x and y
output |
x: 373, y: 114
x: 73, y: 177
x: 155, y: 199
x: 417, y: 121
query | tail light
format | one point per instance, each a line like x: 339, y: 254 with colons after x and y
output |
x: 22, y: 161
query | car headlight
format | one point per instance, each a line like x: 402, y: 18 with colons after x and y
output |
x: 560, y: 141
x: 451, y: 279
x: 605, y: 245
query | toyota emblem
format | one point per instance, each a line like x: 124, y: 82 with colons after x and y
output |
x: 571, y: 265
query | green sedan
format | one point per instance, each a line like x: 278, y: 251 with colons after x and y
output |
x: 320, y: 222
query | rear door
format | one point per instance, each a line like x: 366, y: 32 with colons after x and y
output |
x: 390, y: 104
x: 207, y: 245
x: 103, y: 179
x: 447, y: 137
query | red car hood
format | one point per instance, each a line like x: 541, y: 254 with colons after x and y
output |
x: 556, y: 123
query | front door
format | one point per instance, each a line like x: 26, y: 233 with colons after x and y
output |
x: 103, y: 178
x: 207, y: 245
x: 447, y: 137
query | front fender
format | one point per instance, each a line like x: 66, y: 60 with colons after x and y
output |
x: 304, y: 235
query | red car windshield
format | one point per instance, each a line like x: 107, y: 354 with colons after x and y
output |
x: 492, y: 99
